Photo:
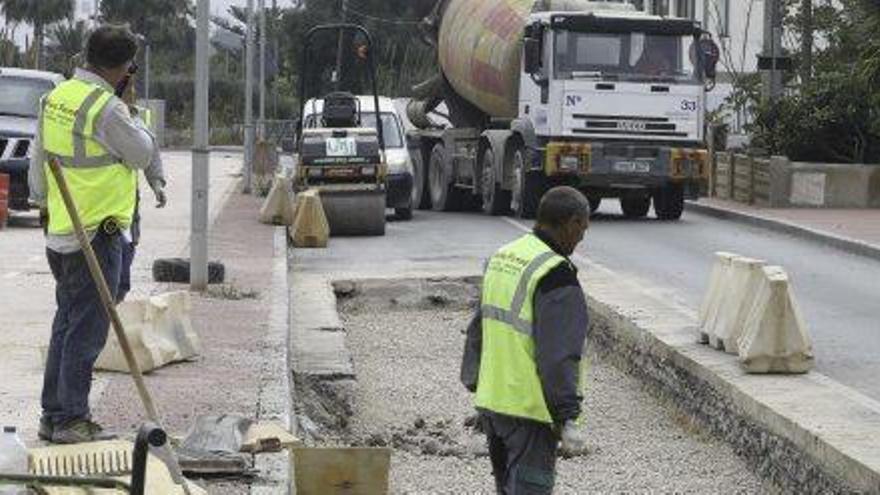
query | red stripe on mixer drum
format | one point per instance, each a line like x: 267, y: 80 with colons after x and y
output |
x: 486, y: 78
x: 504, y: 21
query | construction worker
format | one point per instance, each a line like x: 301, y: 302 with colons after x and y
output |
x: 523, y: 348
x: 89, y: 132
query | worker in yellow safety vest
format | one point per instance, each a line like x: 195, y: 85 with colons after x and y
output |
x: 524, y: 345
x: 88, y: 130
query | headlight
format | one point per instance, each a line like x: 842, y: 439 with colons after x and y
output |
x: 569, y: 162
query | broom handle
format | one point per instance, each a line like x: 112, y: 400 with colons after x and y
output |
x: 104, y: 292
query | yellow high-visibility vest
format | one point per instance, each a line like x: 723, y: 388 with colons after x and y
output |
x: 508, y: 381
x: 101, y: 186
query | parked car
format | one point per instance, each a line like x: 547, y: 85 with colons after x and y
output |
x: 20, y: 93
x: 399, y: 180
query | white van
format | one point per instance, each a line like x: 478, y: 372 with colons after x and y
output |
x: 399, y: 180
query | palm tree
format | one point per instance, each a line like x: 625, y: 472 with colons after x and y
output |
x: 66, y: 40
x: 39, y: 14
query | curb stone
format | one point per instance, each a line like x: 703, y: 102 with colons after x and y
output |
x: 847, y: 244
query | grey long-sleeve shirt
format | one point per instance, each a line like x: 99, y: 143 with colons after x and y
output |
x: 559, y: 330
x: 124, y: 137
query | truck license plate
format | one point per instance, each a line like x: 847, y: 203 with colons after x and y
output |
x: 341, y: 147
x: 632, y: 167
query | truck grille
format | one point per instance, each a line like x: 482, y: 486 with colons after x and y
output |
x: 615, y: 125
x: 14, y: 148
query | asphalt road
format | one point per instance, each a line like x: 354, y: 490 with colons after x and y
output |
x: 838, y: 292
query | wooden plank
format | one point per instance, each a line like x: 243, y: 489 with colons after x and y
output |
x: 344, y: 470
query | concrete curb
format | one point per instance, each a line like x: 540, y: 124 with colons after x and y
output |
x: 275, y: 395
x: 847, y: 244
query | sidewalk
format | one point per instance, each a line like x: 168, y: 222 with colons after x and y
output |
x: 27, y: 300
x: 856, y: 230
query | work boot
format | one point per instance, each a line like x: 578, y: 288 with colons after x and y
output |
x: 80, y: 431
x: 46, y: 429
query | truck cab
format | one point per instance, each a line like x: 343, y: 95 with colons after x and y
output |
x: 616, y: 102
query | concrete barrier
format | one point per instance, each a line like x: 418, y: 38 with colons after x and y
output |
x: 159, y: 330
x: 775, y: 338
x: 715, y: 296
x: 278, y: 207
x: 310, y: 227
x: 743, y: 279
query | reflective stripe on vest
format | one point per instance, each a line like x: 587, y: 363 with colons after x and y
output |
x: 508, y: 380
x: 101, y: 186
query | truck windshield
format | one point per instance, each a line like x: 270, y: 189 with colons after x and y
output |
x: 390, y: 127
x: 625, y: 56
x: 20, y: 96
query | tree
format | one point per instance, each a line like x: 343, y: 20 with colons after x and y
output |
x: 39, y: 14
x: 65, y: 42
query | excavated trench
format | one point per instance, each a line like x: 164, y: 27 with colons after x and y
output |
x: 405, y: 339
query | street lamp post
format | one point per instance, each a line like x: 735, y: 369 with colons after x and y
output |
x: 200, y: 160
x: 249, y: 100
x: 262, y: 126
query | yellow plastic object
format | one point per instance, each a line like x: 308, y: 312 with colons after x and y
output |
x: 556, y: 150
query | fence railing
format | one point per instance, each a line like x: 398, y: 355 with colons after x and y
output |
x: 741, y: 178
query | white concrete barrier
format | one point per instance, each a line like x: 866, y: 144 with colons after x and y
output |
x: 159, y: 330
x: 715, y: 295
x: 278, y: 207
x: 743, y: 279
x: 310, y: 228
x: 775, y: 339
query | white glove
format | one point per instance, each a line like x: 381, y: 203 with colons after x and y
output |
x: 574, y: 439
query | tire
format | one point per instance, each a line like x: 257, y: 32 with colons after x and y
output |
x: 495, y: 201
x: 403, y: 213
x: 635, y: 206
x: 594, y: 203
x: 669, y: 202
x: 420, y: 200
x: 176, y: 270
x: 528, y: 186
x: 444, y: 195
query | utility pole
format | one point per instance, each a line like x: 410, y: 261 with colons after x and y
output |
x: 772, y: 78
x: 806, y: 40
x: 337, y: 76
x: 146, y: 68
x: 249, y: 100
x: 262, y: 123
x: 198, y: 268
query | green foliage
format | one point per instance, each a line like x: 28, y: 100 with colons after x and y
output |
x: 39, y: 14
x: 834, y: 116
x: 827, y: 120
x: 65, y: 42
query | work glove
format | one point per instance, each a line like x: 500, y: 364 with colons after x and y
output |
x: 161, y: 198
x: 574, y: 439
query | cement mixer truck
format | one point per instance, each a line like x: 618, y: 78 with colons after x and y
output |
x: 592, y: 94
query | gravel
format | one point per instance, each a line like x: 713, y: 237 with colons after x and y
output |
x: 408, y: 396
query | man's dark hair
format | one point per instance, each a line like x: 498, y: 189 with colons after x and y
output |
x: 561, y: 204
x: 111, y: 46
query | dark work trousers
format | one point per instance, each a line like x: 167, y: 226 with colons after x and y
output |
x: 523, y: 454
x: 79, y: 330
x: 128, y: 251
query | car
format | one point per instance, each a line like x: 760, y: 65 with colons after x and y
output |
x: 20, y: 93
x: 399, y: 179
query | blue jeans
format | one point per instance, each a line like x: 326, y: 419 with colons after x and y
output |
x: 79, y: 330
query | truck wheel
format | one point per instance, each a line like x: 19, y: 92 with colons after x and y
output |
x: 669, y: 202
x: 528, y: 186
x: 635, y: 206
x: 420, y: 200
x: 495, y: 200
x: 403, y: 213
x: 444, y: 196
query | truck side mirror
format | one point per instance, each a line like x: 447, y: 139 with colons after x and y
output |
x: 710, y: 54
x: 531, y: 55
